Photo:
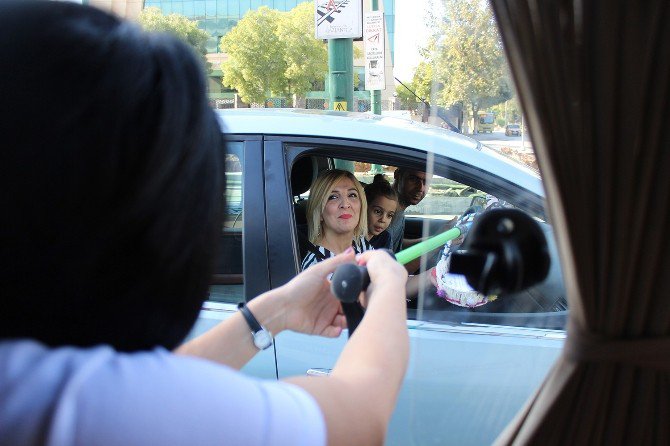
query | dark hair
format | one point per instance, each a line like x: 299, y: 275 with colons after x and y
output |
x: 398, y: 175
x: 380, y: 186
x: 112, y: 183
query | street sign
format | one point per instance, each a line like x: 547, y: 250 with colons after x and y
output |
x: 338, y: 19
x: 340, y: 106
x: 373, y: 40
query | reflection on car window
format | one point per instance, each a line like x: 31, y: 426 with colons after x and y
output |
x: 228, y: 281
x: 446, y: 199
x: 445, y: 203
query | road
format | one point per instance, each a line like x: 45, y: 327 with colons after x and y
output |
x: 497, y: 140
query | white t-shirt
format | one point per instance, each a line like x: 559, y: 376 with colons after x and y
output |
x: 97, y: 396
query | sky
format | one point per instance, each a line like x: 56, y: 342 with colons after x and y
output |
x: 410, y: 34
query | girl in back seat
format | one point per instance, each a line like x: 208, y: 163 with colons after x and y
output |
x: 382, y: 203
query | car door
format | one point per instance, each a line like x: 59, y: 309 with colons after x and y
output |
x: 241, y: 272
x: 469, y: 372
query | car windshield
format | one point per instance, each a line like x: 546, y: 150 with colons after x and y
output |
x: 436, y: 121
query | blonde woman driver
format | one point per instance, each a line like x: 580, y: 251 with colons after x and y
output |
x: 336, y: 216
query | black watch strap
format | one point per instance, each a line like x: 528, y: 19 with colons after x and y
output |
x: 249, y: 317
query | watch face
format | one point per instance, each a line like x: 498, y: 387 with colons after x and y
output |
x: 262, y: 339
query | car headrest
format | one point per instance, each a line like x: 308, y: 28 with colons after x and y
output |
x: 302, y: 175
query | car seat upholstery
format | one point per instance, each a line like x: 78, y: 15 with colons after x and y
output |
x: 303, y: 172
x: 302, y: 175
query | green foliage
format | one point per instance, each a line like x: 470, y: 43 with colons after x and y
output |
x: 508, y: 111
x: 424, y: 82
x: 273, y: 53
x: 152, y: 19
x: 306, y: 57
x: 464, y: 60
x: 421, y: 85
x: 406, y: 98
x: 255, y: 64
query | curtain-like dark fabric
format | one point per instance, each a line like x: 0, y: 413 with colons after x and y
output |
x: 593, y: 77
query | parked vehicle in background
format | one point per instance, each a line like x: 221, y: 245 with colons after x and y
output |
x: 486, y: 122
x: 512, y: 130
x: 470, y: 370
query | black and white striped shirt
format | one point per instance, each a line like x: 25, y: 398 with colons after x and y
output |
x: 318, y: 253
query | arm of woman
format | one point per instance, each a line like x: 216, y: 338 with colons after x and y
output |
x: 359, y: 396
x: 304, y: 305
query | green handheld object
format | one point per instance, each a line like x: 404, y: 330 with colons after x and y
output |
x: 407, y: 255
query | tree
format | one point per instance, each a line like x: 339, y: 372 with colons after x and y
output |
x: 306, y: 57
x: 273, y: 53
x: 255, y: 64
x: 152, y: 19
x: 508, y: 111
x: 407, y: 100
x: 466, y: 58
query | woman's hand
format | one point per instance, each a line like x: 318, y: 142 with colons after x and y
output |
x: 305, y: 305
x: 309, y: 306
x: 383, y: 270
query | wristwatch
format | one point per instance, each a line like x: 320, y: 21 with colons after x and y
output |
x: 261, y: 336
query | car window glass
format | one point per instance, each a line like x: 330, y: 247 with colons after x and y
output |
x: 448, y: 298
x: 228, y: 280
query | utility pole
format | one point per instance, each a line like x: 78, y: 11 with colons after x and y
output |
x: 523, y: 136
x: 340, y: 68
x: 341, y: 74
x: 376, y: 95
x: 376, y: 100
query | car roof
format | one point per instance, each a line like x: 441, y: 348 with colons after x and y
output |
x: 378, y: 129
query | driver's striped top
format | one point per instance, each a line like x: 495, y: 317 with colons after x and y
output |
x: 318, y: 253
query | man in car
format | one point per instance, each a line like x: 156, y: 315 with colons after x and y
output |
x: 411, y: 187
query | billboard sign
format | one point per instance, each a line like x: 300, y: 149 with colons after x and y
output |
x: 373, y: 39
x: 338, y: 19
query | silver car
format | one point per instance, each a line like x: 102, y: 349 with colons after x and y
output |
x: 470, y: 370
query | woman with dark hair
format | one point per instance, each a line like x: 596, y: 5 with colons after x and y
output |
x: 382, y: 204
x: 111, y: 199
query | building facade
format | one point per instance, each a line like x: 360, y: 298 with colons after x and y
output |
x: 217, y: 17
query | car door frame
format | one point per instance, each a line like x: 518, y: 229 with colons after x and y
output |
x: 254, y: 252
x: 299, y: 354
x: 280, y: 152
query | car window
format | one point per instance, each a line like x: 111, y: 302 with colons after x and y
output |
x: 228, y: 280
x: 448, y: 197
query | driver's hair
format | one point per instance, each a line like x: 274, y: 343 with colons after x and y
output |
x: 112, y: 180
x: 318, y: 196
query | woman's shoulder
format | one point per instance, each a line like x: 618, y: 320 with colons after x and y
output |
x: 315, y: 254
x: 161, y: 388
x: 362, y: 245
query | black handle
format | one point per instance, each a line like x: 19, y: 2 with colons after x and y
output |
x: 346, y: 284
x: 348, y: 281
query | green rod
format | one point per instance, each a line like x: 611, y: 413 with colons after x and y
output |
x: 407, y: 255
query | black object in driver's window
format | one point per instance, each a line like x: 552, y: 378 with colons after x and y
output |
x: 505, y: 251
